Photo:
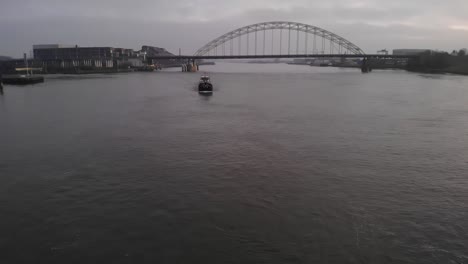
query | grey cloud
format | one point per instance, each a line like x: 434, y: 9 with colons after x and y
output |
x: 188, y: 24
x: 338, y: 14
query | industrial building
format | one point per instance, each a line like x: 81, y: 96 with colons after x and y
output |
x: 57, y: 58
x: 61, y: 52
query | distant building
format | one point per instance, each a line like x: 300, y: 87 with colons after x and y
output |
x: 124, y: 53
x: 404, y: 52
x: 67, y: 52
x: 52, y: 46
x: 55, y: 58
x: 136, y: 62
x: 5, y: 58
x: 151, y: 51
x: 383, y: 52
x: 60, y: 52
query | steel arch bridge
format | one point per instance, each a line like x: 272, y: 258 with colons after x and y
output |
x: 262, y: 40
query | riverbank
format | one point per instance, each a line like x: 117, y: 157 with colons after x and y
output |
x: 441, y: 71
x: 94, y: 71
x: 22, y: 79
x: 440, y: 63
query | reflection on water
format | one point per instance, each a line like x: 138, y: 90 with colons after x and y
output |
x: 206, y: 96
x: 283, y: 164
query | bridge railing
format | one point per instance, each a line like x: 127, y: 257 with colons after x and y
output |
x: 283, y: 56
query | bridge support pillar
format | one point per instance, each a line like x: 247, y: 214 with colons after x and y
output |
x: 190, y: 66
x: 365, y: 67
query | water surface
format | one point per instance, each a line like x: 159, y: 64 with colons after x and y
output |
x: 283, y: 164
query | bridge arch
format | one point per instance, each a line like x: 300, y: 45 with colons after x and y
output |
x: 329, y: 43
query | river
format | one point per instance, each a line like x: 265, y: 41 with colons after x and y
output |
x: 283, y: 164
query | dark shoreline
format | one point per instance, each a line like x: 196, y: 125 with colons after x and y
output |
x: 436, y: 71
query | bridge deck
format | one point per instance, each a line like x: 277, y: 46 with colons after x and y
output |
x: 225, y: 57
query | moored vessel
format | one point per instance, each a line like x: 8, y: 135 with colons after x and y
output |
x: 23, y: 75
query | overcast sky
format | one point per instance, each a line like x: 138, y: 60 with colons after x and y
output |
x: 189, y: 24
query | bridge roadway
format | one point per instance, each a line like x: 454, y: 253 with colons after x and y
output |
x: 284, y: 56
